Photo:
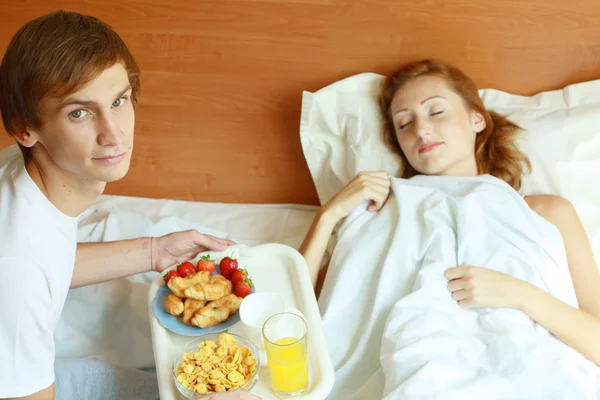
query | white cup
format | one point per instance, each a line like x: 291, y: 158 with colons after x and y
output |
x: 256, y: 309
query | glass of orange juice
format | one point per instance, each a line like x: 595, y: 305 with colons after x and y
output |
x: 285, y: 338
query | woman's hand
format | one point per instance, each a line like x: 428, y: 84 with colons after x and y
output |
x: 481, y: 287
x: 373, y: 186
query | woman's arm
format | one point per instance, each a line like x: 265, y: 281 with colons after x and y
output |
x: 473, y: 286
x: 579, y: 328
x: 314, y: 244
x: 373, y: 186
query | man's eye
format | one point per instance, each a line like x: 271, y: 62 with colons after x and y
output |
x: 77, y: 114
x: 119, y: 102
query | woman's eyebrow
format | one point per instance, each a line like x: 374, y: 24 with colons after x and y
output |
x: 423, y: 102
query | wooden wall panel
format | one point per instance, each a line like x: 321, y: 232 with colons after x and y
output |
x: 222, y: 79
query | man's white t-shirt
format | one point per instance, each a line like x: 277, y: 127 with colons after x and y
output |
x: 37, y: 257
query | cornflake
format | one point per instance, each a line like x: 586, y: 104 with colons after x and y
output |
x: 216, y: 367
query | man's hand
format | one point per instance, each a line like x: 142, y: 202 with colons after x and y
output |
x: 45, y: 394
x: 237, y: 395
x: 183, y: 246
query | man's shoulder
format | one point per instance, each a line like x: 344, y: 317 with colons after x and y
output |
x: 16, y: 228
x: 10, y: 161
x: 13, y: 285
x: 24, y: 264
x: 9, y: 155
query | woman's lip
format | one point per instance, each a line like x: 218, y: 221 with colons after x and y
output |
x: 429, y: 146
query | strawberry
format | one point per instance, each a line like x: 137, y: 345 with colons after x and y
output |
x: 227, y: 266
x: 172, y: 274
x: 186, y: 268
x: 243, y: 288
x: 238, y: 275
x: 206, y: 264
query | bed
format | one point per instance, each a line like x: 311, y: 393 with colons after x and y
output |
x: 250, y: 108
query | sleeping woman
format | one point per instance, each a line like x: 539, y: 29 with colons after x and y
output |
x: 437, y: 125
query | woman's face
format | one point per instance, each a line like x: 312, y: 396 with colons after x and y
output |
x: 434, y: 128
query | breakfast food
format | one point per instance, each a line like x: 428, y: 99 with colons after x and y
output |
x: 238, y: 275
x: 173, y: 305
x: 190, y: 307
x: 216, y: 288
x: 206, y: 264
x: 170, y: 275
x: 217, y: 311
x: 243, y: 288
x: 201, y: 299
x: 186, y: 269
x: 227, y: 266
x: 179, y: 284
x: 216, y: 367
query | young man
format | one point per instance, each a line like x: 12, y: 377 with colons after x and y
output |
x: 68, y: 87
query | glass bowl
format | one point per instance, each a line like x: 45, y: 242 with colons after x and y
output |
x: 192, y: 347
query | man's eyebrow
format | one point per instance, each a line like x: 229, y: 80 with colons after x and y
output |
x: 71, y: 101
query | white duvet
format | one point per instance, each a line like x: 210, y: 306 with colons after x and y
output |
x: 392, y: 327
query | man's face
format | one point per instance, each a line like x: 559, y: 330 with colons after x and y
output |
x: 89, y: 133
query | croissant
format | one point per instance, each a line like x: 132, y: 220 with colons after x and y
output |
x: 220, y: 279
x: 173, y: 305
x: 190, y: 306
x: 208, y: 316
x: 178, y: 284
x: 217, y: 288
x: 231, y: 301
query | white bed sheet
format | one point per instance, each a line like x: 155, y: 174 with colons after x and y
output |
x: 249, y: 224
x: 110, y: 321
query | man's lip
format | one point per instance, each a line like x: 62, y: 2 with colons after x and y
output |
x: 110, y: 157
x: 429, y: 146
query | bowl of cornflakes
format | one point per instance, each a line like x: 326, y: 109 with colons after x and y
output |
x: 216, y: 362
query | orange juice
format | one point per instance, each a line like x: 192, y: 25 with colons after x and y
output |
x: 288, y: 364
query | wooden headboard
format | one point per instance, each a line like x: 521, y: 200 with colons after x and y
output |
x: 222, y: 79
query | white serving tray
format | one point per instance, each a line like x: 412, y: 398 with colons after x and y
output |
x: 273, y: 268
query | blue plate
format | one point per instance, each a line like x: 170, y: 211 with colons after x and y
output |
x: 174, y: 324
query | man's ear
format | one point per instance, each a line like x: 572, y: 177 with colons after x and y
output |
x: 28, y: 138
x: 477, y: 122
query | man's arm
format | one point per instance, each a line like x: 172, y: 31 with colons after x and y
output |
x: 45, y: 394
x: 101, y: 262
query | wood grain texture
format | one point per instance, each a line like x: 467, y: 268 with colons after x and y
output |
x: 222, y: 80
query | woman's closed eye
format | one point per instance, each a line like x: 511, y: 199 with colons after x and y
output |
x: 404, y: 125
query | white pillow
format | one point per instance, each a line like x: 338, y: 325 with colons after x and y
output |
x: 340, y: 132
